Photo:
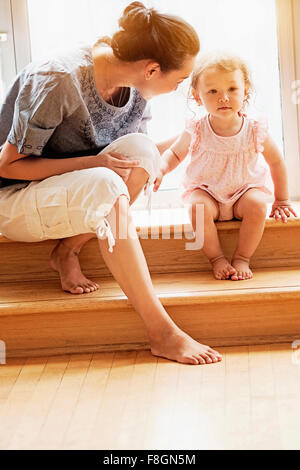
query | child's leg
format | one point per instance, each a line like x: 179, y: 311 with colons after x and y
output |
x: 128, y: 266
x: 212, y: 248
x: 251, y: 208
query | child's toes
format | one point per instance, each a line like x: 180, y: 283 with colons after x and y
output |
x: 232, y: 271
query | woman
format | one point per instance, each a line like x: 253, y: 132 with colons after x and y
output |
x: 66, y: 126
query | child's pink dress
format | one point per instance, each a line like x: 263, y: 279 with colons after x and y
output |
x: 226, y: 167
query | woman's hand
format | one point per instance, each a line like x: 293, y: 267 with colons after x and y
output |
x: 118, y: 163
x: 158, y: 181
x: 282, y: 210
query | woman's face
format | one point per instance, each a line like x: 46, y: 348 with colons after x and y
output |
x: 155, y: 82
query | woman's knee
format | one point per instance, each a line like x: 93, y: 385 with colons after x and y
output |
x: 139, y: 147
x: 137, y: 143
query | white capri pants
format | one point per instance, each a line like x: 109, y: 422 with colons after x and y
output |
x: 76, y: 202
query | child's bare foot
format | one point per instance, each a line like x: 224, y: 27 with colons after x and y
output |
x: 243, y: 272
x: 179, y: 346
x: 222, y: 269
x: 65, y: 261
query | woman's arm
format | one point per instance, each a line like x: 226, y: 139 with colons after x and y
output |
x: 25, y: 167
x: 281, y: 207
x: 173, y: 156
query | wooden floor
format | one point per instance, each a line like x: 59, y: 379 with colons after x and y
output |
x: 132, y: 400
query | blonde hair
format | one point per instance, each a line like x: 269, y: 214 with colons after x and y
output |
x: 225, y: 62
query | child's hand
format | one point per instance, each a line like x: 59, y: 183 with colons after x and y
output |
x: 282, y: 210
x: 158, y: 181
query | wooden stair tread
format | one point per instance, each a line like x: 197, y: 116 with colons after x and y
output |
x: 38, y: 319
x: 20, y: 297
x: 181, y: 218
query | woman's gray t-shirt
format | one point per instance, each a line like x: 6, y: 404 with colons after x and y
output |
x: 54, y: 110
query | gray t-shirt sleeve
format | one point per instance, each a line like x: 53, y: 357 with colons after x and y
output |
x: 147, y: 116
x: 42, y: 103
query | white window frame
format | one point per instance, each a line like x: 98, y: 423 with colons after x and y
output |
x: 288, y: 21
x: 16, y: 49
x: 7, y: 48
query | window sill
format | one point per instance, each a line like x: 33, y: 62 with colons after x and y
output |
x: 176, y: 221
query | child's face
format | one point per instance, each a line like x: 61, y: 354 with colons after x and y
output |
x: 221, y: 92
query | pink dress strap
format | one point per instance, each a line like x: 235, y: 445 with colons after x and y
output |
x: 260, y: 132
x: 193, y: 127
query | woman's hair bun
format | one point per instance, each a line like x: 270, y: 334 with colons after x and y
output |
x: 136, y: 17
x: 146, y: 34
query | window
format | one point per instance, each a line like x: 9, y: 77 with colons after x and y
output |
x: 246, y: 28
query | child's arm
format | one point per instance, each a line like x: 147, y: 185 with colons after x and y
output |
x: 172, y: 157
x: 281, y: 208
x: 164, y: 145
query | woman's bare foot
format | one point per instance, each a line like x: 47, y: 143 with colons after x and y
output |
x: 65, y: 261
x: 179, y: 346
x: 243, y: 272
x: 222, y: 269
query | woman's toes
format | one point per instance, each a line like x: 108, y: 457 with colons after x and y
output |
x: 76, y: 290
x: 92, y: 287
x: 212, y: 356
x: 194, y: 360
x: 208, y: 359
x: 215, y: 353
x: 200, y: 359
x: 204, y: 358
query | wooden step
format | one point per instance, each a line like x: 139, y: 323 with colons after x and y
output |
x: 280, y: 246
x: 37, y: 318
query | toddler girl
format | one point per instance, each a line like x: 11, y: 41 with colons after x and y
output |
x: 225, y: 173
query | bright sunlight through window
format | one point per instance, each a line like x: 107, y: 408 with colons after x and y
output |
x: 238, y: 26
